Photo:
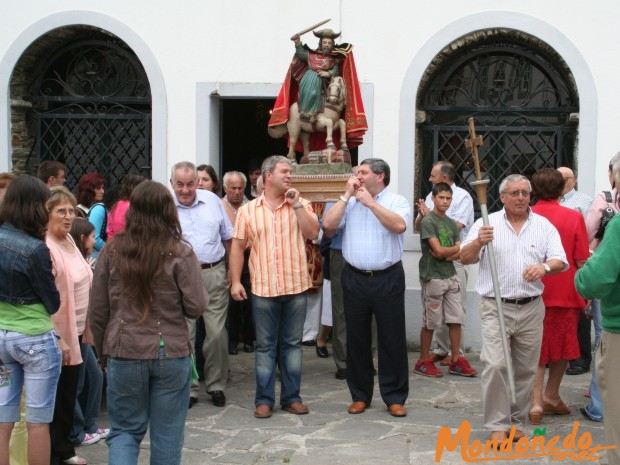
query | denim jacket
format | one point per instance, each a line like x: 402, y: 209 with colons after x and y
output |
x: 26, y: 270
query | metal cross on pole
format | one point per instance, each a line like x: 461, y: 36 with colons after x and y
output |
x: 480, y: 186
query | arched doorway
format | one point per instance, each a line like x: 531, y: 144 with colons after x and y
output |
x: 86, y: 103
x: 522, y: 96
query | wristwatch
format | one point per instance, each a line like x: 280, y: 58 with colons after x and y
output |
x: 547, y: 268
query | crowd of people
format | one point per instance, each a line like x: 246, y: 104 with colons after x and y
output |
x: 84, y: 300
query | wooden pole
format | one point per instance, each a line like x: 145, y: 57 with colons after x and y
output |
x: 311, y: 28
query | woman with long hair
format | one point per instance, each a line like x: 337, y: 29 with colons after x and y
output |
x: 73, y: 279
x: 30, y: 356
x: 147, y: 280
x: 116, y: 217
x: 91, y: 189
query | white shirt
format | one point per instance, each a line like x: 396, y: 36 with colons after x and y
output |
x: 537, y: 242
x: 205, y: 225
x: 461, y: 209
x: 576, y: 201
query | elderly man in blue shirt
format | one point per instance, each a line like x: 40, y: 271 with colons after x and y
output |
x: 373, y: 282
x: 207, y: 228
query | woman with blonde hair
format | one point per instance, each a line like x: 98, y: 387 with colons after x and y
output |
x: 147, y: 280
x: 73, y: 277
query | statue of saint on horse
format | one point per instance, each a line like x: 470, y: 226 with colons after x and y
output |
x: 320, y: 94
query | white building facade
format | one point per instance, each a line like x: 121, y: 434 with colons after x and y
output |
x: 197, y: 54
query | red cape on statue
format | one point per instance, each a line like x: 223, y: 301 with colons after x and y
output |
x: 354, y: 115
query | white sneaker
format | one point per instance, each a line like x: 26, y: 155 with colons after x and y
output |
x: 103, y: 432
x: 90, y: 439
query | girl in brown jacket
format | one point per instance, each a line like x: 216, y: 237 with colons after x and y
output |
x: 146, y: 281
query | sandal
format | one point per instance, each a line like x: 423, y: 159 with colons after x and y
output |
x: 560, y: 409
x: 75, y: 460
x: 535, y: 417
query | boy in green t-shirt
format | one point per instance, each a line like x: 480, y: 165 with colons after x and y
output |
x: 441, y: 295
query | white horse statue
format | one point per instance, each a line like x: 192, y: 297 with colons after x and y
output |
x: 325, y: 121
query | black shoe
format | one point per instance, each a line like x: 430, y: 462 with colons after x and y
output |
x: 218, y: 398
x: 232, y: 348
x: 192, y: 401
x: 341, y: 373
x: 576, y: 370
x: 248, y: 348
x: 308, y: 343
x: 322, y: 351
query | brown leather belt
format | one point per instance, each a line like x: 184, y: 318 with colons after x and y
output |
x: 207, y: 266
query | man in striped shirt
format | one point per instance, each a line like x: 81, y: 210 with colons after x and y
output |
x: 527, y: 247
x: 278, y: 224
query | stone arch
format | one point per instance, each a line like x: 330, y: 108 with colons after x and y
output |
x: 521, y: 95
x: 58, y: 28
x: 478, y: 22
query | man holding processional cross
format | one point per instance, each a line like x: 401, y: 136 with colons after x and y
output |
x: 515, y: 248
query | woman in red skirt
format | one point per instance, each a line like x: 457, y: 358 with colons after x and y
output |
x: 562, y: 302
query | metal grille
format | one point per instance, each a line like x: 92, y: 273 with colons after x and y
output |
x: 92, y: 109
x: 521, y: 102
x: 506, y: 150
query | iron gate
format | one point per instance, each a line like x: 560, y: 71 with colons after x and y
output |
x: 92, y: 111
x: 521, y: 99
x: 506, y: 150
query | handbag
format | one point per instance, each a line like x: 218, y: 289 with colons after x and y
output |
x: 608, y: 214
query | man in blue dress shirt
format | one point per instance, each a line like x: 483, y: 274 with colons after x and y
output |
x: 373, y: 282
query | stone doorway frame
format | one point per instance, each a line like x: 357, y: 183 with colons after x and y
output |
x: 209, y: 97
x: 467, y: 25
x: 123, y: 32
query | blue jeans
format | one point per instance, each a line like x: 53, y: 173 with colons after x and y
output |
x: 89, y: 399
x: 147, y: 393
x: 594, y: 409
x: 33, y: 363
x: 595, y: 313
x: 278, y: 321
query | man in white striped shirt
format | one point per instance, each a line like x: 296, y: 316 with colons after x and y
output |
x: 527, y: 247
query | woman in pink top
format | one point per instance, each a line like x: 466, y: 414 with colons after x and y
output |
x: 73, y: 278
x: 116, y: 217
x: 595, y: 214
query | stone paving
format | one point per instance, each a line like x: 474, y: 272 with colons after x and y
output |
x: 328, y: 435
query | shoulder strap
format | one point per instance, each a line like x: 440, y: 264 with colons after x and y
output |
x: 608, y: 198
x: 80, y: 212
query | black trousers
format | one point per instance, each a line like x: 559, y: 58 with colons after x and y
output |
x: 240, y: 323
x: 585, y: 342
x: 60, y: 427
x: 383, y: 296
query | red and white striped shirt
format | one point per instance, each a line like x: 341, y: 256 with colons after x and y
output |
x: 278, y: 263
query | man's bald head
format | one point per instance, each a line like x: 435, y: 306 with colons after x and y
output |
x: 569, y: 179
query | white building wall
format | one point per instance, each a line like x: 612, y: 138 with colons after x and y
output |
x: 191, y: 47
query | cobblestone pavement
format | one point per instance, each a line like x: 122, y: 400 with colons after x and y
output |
x: 328, y: 435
